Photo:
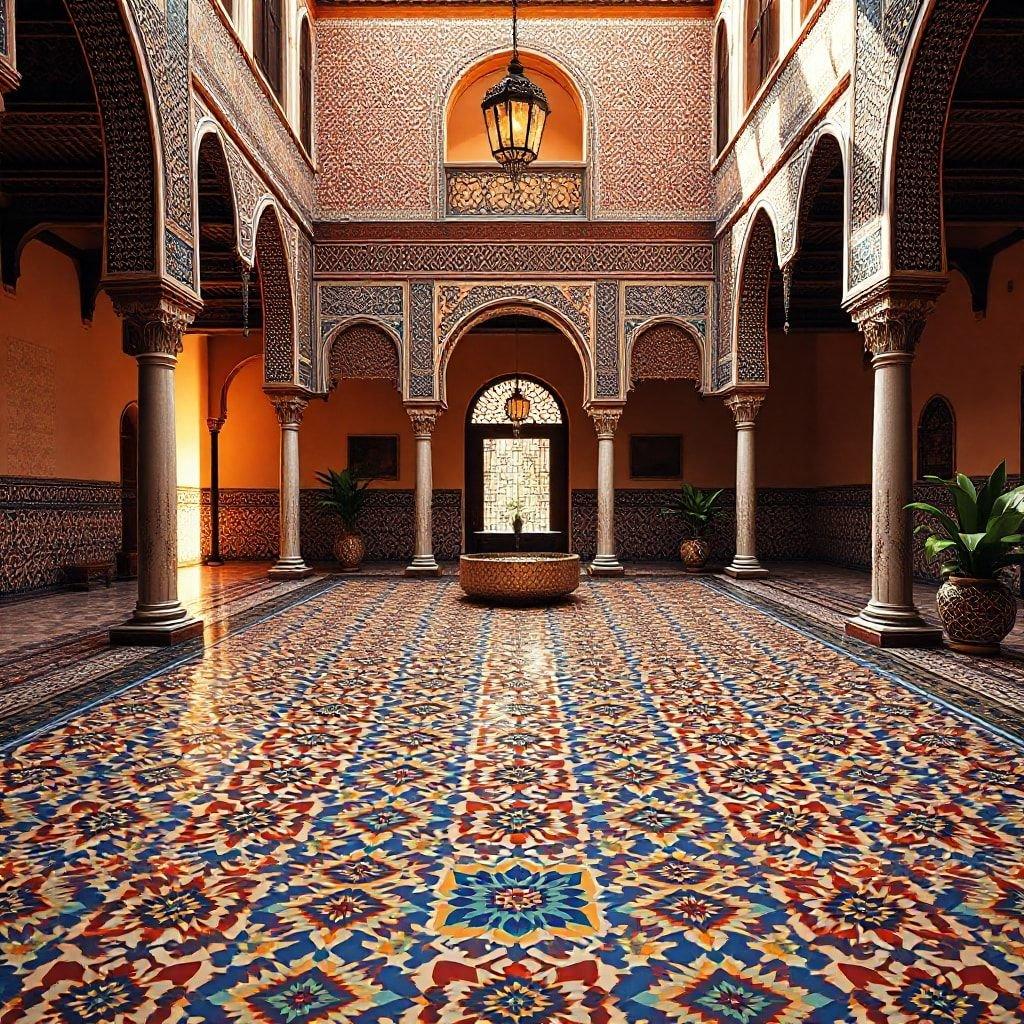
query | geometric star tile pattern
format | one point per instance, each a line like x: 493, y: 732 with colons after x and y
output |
x: 653, y: 803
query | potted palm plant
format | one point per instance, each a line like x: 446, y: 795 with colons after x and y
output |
x: 976, y: 543
x: 345, y: 497
x: 697, y: 509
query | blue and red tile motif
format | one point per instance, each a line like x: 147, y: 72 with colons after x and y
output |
x: 654, y: 804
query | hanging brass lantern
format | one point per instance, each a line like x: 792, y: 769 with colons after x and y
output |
x: 515, y: 113
x: 517, y: 407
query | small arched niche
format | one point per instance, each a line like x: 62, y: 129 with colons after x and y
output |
x: 554, y: 185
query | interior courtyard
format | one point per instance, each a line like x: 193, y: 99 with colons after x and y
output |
x: 296, y: 331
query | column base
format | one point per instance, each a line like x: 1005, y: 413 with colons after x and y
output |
x: 745, y: 568
x: 289, y: 569
x: 213, y: 561
x: 893, y: 628
x: 602, y: 568
x: 423, y: 567
x: 156, y: 634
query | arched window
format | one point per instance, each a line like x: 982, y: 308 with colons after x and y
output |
x: 762, y: 42
x: 936, y: 439
x: 306, y: 86
x: 721, y: 89
x: 268, y: 45
x: 490, y: 404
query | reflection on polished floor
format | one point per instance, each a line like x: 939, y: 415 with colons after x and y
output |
x: 367, y: 800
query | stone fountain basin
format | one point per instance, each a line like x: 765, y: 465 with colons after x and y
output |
x: 519, y: 577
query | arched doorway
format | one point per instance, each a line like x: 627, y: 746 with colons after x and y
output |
x: 510, y: 471
x: 128, y: 556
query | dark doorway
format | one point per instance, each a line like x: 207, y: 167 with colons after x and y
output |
x: 128, y: 556
x: 524, y: 471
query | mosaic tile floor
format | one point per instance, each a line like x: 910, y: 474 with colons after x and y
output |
x: 655, y: 803
x: 826, y: 596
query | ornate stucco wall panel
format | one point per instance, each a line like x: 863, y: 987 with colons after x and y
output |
x: 220, y: 70
x: 379, y: 138
x: 381, y: 305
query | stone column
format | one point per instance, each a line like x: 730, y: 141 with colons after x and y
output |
x: 745, y: 406
x: 892, y: 321
x: 214, y: 426
x: 289, y: 406
x: 606, y: 420
x: 153, y: 321
x: 423, y: 422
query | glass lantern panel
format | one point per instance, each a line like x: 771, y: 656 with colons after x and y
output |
x: 520, y: 123
x: 537, y: 130
x: 517, y: 478
x: 490, y: 406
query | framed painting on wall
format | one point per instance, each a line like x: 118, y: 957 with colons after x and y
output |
x: 374, y: 455
x: 655, y: 456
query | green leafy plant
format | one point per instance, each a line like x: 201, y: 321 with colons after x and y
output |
x: 696, y: 508
x: 985, y: 535
x: 346, y: 495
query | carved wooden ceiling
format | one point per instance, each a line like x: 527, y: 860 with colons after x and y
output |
x: 817, y: 290
x: 220, y: 272
x: 983, y: 170
x: 51, y: 149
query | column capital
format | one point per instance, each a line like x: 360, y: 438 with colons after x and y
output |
x: 892, y: 315
x: 744, y: 406
x: 424, y: 419
x: 214, y: 424
x: 606, y: 419
x: 289, y: 406
x: 154, y: 316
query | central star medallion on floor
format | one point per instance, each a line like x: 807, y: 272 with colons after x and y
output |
x: 517, y: 902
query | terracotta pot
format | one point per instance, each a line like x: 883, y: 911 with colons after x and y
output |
x: 976, y: 614
x: 695, y: 553
x: 350, y: 551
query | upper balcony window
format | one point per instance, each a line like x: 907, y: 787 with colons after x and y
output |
x: 306, y: 86
x: 555, y: 185
x: 268, y: 43
x: 762, y: 42
x: 721, y: 89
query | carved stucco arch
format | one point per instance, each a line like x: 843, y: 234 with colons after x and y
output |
x: 511, y: 306
x: 279, y: 324
x: 328, y: 342
x: 758, y: 256
x: 914, y: 235
x: 134, y: 236
x: 464, y: 68
x: 208, y: 127
x: 817, y: 164
x: 703, y: 383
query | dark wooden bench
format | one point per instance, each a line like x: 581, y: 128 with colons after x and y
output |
x: 80, y: 574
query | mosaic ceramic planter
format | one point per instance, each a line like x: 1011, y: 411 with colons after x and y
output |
x: 694, y: 552
x: 349, y: 550
x: 519, y: 578
x: 976, y: 614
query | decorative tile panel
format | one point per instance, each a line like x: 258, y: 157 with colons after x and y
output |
x: 580, y: 258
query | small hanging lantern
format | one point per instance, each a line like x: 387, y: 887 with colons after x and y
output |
x: 517, y: 407
x: 515, y: 113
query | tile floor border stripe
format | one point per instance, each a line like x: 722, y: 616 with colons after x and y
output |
x: 11, y: 736
x: 876, y: 662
